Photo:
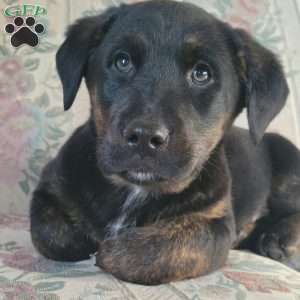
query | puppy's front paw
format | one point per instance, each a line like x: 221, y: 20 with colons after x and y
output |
x: 122, y: 258
x: 277, y: 245
x: 105, y: 258
x: 137, y: 256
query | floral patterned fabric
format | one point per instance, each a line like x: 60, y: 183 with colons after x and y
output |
x: 33, y: 126
x: 24, y: 274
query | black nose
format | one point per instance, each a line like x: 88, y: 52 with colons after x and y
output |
x: 146, y: 134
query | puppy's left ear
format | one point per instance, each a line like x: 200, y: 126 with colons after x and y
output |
x: 72, y: 56
x: 265, y: 88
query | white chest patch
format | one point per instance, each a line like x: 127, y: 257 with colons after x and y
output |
x: 135, y: 198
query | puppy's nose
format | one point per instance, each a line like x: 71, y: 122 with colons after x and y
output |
x: 149, y: 135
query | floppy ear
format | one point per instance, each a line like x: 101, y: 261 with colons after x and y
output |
x: 72, y: 56
x: 265, y: 86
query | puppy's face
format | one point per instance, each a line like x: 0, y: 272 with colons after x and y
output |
x: 164, y: 84
x: 163, y: 91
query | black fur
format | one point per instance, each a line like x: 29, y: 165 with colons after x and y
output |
x: 211, y: 186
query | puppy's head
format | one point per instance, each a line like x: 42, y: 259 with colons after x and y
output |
x: 166, y: 80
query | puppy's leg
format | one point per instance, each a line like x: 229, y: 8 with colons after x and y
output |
x: 180, y: 248
x: 54, y: 234
x: 281, y: 239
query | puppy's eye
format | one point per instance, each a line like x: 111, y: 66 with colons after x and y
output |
x: 123, y: 62
x: 201, y: 74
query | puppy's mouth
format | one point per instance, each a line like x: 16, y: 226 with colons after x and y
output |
x: 141, y: 177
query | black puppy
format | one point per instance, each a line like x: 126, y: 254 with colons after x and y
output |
x: 157, y: 180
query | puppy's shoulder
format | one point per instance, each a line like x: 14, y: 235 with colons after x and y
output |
x: 73, y: 160
x: 238, y: 141
x: 246, y: 157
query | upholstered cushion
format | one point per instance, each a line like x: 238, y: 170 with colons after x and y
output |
x: 24, y: 274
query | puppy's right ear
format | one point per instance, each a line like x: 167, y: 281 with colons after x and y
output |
x: 263, y: 83
x: 72, y: 56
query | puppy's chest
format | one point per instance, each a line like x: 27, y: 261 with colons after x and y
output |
x: 128, y: 212
x: 139, y: 209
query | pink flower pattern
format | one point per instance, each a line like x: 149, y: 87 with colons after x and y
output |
x: 244, y: 13
x: 15, y: 222
x: 258, y: 283
x: 16, y: 290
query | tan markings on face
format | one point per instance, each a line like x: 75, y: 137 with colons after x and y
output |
x: 97, y: 112
x: 202, y: 151
x: 215, y: 134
